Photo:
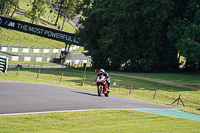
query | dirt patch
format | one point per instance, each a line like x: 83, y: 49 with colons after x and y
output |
x: 188, y: 85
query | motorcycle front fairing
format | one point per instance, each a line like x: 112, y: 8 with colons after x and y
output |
x: 101, y: 81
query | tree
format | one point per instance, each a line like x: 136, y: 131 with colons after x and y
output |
x: 10, y: 4
x: 90, y: 34
x: 16, y: 6
x: 37, y: 10
x: 66, y: 9
x: 7, y: 5
x: 3, y: 6
x: 185, y: 31
x: 59, y: 10
x: 127, y: 33
x: 152, y: 50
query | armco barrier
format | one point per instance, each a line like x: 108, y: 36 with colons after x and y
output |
x: 3, y: 64
x: 34, y: 50
x: 29, y: 59
x: 43, y: 59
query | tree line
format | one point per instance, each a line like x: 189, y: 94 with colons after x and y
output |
x: 133, y: 35
x: 141, y: 35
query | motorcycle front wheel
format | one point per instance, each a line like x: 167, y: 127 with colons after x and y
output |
x: 99, y: 90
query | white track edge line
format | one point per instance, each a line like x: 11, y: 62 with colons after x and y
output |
x: 62, y: 111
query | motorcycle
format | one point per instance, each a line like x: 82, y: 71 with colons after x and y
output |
x: 102, y: 85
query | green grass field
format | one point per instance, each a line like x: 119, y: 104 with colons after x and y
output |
x: 175, y: 77
x: 121, y: 121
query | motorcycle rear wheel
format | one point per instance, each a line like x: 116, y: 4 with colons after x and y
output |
x: 106, y: 94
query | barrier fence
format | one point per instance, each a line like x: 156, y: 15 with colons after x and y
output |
x: 3, y: 64
x: 138, y: 90
x: 16, y: 48
x: 44, y: 59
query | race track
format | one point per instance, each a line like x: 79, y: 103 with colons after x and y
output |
x: 18, y: 97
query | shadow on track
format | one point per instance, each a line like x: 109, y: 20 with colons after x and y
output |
x: 85, y: 93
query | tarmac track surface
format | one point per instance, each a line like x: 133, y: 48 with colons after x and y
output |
x: 19, y: 97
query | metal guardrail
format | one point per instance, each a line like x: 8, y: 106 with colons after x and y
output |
x: 18, y: 48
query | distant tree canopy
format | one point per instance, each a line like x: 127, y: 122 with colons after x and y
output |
x: 38, y: 9
x: 184, y: 33
x: 141, y: 35
x: 64, y: 8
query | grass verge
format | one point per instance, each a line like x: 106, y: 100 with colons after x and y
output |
x: 97, y: 121
x: 35, y: 63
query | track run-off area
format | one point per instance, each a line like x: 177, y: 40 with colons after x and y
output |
x: 29, y: 98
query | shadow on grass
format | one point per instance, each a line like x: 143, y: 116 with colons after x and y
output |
x: 46, y: 22
x: 27, y: 16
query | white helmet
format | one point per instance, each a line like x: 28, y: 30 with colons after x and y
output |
x: 101, y: 71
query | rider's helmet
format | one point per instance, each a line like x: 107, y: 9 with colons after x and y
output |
x: 101, y: 71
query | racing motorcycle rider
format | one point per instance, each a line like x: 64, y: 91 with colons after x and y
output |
x: 102, y: 72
